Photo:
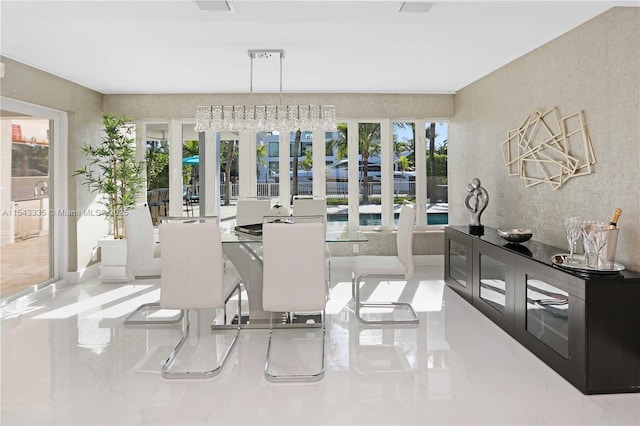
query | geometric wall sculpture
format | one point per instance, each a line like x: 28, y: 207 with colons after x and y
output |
x: 549, y: 149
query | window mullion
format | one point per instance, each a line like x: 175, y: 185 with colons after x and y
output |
x: 354, y: 182
x: 421, y: 173
x: 284, y: 187
x: 247, y: 163
x: 319, y: 166
x: 386, y: 174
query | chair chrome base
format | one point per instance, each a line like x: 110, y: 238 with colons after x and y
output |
x: 296, y: 378
x: 200, y: 374
x: 128, y: 320
x: 413, y: 320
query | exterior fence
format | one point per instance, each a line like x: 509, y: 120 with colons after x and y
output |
x: 160, y: 197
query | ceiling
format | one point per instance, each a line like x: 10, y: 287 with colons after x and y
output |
x: 330, y: 46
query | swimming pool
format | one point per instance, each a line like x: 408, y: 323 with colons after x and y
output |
x: 373, y: 219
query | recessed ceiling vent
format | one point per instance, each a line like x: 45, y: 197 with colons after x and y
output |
x: 415, y: 7
x: 214, y: 5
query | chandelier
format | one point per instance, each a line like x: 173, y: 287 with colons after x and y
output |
x: 265, y: 117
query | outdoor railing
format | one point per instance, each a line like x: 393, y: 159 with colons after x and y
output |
x: 333, y: 190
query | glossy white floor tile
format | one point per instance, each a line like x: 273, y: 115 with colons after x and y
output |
x: 68, y: 360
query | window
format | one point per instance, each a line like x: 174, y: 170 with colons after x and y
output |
x: 229, y: 170
x: 404, y: 161
x: 264, y: 177
x: 416, y: 174
x: 436, y: 135
x: 369, y: 174
x: 29, y: 159
x: 157, y: 168
x: 274, y: 149
x: 336, y: 174
x: 301, y: 166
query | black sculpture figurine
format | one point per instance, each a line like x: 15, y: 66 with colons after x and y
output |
x: 480, y: 200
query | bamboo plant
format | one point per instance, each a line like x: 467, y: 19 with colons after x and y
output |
x: 112, y: 170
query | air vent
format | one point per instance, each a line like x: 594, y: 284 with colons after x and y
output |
x: 214, y: 5
x: 415, y: 7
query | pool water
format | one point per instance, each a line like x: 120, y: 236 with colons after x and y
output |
x: 372, y: 219
x: 437, y: 218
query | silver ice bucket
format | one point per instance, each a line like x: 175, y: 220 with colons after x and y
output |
x: 607, y: 255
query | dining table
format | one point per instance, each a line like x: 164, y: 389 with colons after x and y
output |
x: 244, y: 250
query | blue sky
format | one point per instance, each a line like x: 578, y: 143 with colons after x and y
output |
x: 441, y: 133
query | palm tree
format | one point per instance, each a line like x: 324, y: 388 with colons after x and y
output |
x: 368, y: 144
x: 432, y: 182
x: 403, y: 163
x: 190, y: 148
x: 408, y: 145
x: 430, y: 135
x: 307, y: 163
x: 442, y: 148
x: 401, y: 146
x: 261, y: 155
x: 339, y: 144
x: 228, y: 149
x: 296, y: 151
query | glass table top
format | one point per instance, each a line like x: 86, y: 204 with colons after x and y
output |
x: 336, y: 232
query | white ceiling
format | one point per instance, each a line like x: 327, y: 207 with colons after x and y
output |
x: 331, y: 46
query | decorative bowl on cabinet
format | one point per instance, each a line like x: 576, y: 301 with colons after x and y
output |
x: 515, y: 235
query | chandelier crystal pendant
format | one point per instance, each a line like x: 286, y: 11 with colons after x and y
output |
x: 265, y: 117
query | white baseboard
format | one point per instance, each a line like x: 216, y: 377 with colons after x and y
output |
x: 83, y: 274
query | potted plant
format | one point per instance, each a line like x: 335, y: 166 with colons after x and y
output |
x: 112, y: 170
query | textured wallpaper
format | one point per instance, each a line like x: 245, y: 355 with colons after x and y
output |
x: 594, y: 68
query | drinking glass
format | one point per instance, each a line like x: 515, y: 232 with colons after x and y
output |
x: 594, y: 241
x: 572, y: 227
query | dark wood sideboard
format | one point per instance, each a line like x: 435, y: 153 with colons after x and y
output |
x: 585, y: 327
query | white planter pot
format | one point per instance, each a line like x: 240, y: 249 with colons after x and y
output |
x: 113, y: 267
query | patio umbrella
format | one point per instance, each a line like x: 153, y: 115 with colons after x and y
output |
x: 194, y: 160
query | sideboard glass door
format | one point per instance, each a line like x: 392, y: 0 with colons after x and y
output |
x: 458, y: 262
x: 548, y: 314
x: 493, y: 282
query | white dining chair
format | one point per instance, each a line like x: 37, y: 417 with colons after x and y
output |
x: 141, y: 244
x: 250, y: 211
x: 305, y: 206
x: 294, y: 281
x: 388, y: 267
x: 195, y: 276
x: 142, y: 263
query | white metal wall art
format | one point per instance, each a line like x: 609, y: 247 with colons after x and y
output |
x: 549, y: 149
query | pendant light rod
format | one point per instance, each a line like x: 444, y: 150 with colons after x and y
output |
x: 281, y: 56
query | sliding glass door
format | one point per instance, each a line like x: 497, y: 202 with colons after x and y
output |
x: 28, y: 198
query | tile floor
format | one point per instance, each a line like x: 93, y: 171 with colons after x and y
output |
x: 24, y: 263
x: 67, y: 359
